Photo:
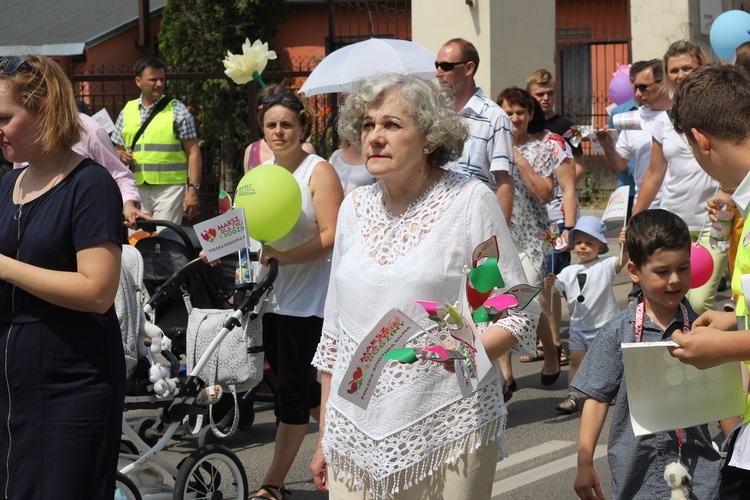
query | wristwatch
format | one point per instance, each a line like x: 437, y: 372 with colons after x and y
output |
x: 195, y: 185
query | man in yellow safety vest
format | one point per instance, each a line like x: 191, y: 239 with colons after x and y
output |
x: 156, y: 137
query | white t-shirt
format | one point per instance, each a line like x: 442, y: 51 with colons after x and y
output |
x: 588, y: 288
x: 686, y: 186
x: 352, y: 176
x: 637, y: 144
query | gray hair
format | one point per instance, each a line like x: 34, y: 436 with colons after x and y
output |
x: 429, y: 109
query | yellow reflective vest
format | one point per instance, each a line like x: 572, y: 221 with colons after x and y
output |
x: 158, y: 154
x: 742, y: 266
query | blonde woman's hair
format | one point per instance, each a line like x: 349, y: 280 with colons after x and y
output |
x: 47, y: 93
x: 681, y: 47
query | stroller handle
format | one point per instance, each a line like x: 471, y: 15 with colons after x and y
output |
x: 151, y: 225
x: 163, y: 290
x: 251, y: 299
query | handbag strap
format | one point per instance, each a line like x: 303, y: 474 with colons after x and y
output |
x: 214, y: 428
x: 158, y: 107
x: 235, y: 418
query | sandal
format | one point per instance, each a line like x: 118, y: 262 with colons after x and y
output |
x: 507, y: 395
x: 562, y: 355
x: 268, y: 487
x: 539, y: 356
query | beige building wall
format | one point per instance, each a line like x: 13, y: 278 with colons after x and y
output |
x: 513, y: 37
x: 656, y: 24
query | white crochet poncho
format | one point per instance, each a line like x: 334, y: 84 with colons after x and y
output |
x: 416, y: 420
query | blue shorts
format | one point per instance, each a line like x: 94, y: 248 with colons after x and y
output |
x: 580, y: 340
x: 557, y: 260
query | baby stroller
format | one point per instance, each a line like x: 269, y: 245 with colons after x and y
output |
x: 203, y: 287
x: 212, y: 471
x: 165, y: 254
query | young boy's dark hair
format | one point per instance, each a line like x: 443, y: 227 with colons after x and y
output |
x: 652, y: 230
x: 715, y: 100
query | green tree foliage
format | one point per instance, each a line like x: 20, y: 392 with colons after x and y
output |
x: 194, y: 37
x: 196, y: 34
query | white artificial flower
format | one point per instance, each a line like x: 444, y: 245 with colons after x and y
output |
x: 254, y: 58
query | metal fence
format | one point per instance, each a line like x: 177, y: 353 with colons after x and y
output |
x: 224, y: 113
x: 591, y: 38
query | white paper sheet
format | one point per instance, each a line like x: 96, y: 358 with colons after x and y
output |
x: 665, y: 394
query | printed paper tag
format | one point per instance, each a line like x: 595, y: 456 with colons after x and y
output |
x: 361, y: 378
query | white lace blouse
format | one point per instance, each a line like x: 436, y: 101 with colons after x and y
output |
x: 416, y: 420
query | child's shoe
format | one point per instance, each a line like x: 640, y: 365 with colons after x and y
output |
x: 568, y: 406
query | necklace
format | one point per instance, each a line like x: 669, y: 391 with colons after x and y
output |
x: 422, y: 194
x: 19, y: 211
x: 686, y: 143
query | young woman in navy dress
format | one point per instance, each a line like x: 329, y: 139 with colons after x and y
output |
x: 62, y: 368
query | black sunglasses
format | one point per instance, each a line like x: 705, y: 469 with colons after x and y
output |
x: 274, y: 99
x: 11, y: 65
x: 448, y: 66
x: 643, y: 87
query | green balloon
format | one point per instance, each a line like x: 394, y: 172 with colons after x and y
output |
x: 271, y: 199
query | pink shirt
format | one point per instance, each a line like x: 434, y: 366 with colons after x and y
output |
x: 96, y: 144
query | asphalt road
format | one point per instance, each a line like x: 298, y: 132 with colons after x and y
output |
x: 541, y: 443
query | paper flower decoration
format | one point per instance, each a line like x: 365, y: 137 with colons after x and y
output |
x: 550, y: 238
x: 478, y: 305
x: 248, y: 66
x: 576, y: 134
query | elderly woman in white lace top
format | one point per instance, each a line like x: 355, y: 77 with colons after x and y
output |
x: 408, y: 237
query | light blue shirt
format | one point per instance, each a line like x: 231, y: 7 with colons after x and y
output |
x: 625, y: 178
x: 490, y: 145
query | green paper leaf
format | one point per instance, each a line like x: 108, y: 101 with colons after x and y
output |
x: 403, y: 355
x: 486, y: 276
x: 480, y: 315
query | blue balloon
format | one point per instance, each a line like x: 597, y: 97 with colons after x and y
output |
x: 730, y: 30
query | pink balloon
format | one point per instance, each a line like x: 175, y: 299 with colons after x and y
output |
x: 702, y: 265
x: 620, y: 89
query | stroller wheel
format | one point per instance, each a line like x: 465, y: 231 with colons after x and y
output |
x: 144, y: 431
x: 212, y: 472
x: 207, y: 437
x: 125, y: 489
x: 128, y: 448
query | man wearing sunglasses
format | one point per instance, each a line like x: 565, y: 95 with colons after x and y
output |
x: 488, y: 153
x: 652, y: 94
x: 162, y: 150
